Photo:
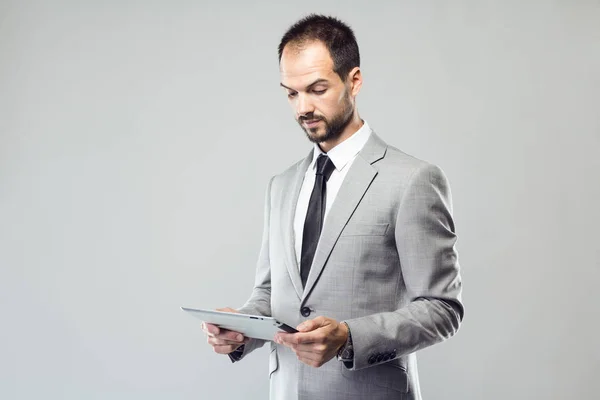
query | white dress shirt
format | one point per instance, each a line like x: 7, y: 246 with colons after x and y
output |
x: 342, y: 156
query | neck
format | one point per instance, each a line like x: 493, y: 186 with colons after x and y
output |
x: 353, y: 126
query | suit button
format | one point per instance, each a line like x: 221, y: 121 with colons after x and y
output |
x: 305, y: 311
x: 372, y: 359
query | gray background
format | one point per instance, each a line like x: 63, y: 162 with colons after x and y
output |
x: 137, y: 139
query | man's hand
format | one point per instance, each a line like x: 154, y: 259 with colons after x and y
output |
x: 223, y: 341
x: 317, y: 341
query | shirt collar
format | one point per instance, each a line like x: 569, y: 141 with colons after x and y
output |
x: 343, y: 153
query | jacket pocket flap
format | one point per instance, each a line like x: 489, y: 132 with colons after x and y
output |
x: 388, y: 375
x: 365, y: 229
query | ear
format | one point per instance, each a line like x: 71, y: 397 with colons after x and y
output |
x: 355, y: 81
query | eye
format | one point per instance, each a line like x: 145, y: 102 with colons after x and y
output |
x: 291, y: 95
x: 319, y: 92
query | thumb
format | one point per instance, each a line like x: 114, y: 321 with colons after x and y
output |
x: 228, y: 309
x: 306, y: 326
x: 310, y: 325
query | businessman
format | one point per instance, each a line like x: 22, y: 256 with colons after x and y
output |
x: 358, y: 248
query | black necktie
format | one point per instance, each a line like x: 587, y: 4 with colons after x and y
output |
x: 314, y: 216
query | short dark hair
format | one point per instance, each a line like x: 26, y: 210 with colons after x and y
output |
x: 333, y: 33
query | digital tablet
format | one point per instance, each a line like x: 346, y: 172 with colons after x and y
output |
x: 252, y: 326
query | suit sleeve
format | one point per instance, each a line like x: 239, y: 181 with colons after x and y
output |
x: 425, y: 240
x: 259, y: 302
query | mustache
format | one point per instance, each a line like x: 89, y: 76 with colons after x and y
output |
x: 310, y: 117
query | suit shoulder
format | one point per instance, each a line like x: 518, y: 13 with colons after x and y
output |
x: 410, y: 167
x: 400, y: 159
x: 289, y: 171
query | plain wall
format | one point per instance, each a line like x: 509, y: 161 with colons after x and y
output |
x: 137, y: 139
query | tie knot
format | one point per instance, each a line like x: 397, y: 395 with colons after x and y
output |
x: 324, y: 166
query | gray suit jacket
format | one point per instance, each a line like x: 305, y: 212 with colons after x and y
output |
x: 386, y: 264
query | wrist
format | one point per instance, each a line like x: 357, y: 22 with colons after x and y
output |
x: 346, y: 350
x: 345, y: 333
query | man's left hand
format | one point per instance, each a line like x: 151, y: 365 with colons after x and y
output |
x: 317, y: 341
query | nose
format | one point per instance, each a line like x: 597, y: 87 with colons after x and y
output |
x: 303, y: 105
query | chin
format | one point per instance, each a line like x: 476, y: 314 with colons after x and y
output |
x: 315, y: 137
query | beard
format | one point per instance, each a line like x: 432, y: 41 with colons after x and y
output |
x: 334, y: 126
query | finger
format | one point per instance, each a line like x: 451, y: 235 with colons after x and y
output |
x: 287, y: 339
x: 210, y: 329
x: 219, y: 342
x: 313, y: 324
x: 231, y: 335
x: 306, y: 326
x: 225, y: 349
x: 224, y: 339
x: 310, y: 358
x: 228, y: 309
x: 283, y: 338
x: 313, y: 348
x: 304, y: 338
x: 312, y: 361
x: 215, y: 331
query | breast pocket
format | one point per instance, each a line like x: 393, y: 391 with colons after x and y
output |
x: 365, y: 230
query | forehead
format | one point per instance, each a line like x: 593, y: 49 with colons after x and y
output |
x: 302, y: 64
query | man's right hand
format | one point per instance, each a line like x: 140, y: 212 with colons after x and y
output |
x: 223, y: 341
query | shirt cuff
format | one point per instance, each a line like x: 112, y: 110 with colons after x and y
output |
x: 236, y: 355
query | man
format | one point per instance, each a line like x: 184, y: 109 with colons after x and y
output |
x: 358, y: 244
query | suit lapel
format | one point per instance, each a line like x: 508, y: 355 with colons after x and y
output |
x: 288, y: 213
x: 355, y: 184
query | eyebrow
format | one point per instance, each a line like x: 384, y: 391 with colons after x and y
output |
x: 320, y: 80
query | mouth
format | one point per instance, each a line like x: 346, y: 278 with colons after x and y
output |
x: 311, y: 123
